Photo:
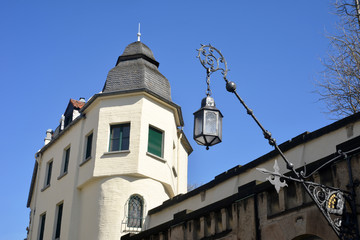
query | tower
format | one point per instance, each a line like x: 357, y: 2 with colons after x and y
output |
x: 112, y: 158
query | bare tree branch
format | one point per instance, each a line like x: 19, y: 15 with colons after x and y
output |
x: 339, y: 85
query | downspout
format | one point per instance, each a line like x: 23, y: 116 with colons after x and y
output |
x: 177, y: 161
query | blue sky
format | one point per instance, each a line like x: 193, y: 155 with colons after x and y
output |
x: 51, y: 51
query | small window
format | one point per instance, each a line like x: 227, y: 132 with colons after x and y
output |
x: 155, y: 144
x: 59, y: 211
x: 48, y: 173
x: 66, y: 159
x: 88, y: 149
x: 135, y: 212
x: 42, y: 226
x: 119, y: 137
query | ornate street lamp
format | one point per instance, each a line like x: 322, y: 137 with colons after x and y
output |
x: 208, y: 123
x: 331, y: 201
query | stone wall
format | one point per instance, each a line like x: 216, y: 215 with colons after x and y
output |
x: 258, y: 212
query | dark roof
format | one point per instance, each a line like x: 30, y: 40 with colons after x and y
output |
x: 137, y: 69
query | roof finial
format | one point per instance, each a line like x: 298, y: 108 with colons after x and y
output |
x: 139, y: 34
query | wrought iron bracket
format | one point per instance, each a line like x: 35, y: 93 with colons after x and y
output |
x: 337, y: 206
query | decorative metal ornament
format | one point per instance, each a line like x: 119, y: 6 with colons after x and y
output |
x: 212, y: 59
x: 208, y: 119
x: 274, y: 177
x: 330, y: 201
x: 337, y: 206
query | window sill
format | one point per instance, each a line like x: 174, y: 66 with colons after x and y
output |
x: 156, y: 157
x: 45, y: 187
x: 116, y: 152
x: 85, y: 161
x: 62, y: 175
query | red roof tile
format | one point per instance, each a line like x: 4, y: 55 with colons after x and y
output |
x: 76, y: 103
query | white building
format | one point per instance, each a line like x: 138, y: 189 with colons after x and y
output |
x: 112, y: 158
x: 117, y: 165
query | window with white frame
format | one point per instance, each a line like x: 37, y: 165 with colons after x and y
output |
x: 66, y: 159
x: 58, y: 218
x: 119, y: 137
x: 88, y: 149
x: 49, y: 166
x: 42, y: 221
x: 135, y: 211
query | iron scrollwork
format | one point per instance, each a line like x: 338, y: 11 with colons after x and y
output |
x: 337, y: 206
x: 212, y: 59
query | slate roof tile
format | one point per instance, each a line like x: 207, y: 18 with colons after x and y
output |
x: 137, y: 69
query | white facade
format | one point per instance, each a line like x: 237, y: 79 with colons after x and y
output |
x: 95, y: 191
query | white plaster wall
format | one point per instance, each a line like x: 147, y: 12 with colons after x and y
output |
x: 89, y: 214
x: 114, y: 193
x: 94, y: 192
x: 141, y: 112
x: 161, y: 117
x: 182, y: 169
x: 61, y: 187
x: 115, y: 111
x: 86, y: 169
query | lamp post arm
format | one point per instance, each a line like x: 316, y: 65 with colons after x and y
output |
x: 330, y: 201
x: 319, y: 193
x: 231, y: 87
x: 213, y: 60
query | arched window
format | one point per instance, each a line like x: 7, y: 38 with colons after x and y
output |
x: 135, y: 211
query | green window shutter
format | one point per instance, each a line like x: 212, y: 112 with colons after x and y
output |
x: 155, y: 141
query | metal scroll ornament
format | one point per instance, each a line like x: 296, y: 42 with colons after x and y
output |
x: 274, y: 177
x: 333, y: 203
x: 212, y: 59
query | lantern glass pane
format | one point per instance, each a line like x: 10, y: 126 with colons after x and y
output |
x: 209, y: 139
x: 220, y: 127
x: 210, y: 123
x: 200, y: 140
x: 216, y: 141
x: 198, y: 128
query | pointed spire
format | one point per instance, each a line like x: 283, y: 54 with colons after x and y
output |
x: 138, y: 34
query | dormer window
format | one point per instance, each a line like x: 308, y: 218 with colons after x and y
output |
x: 72, y: 110
x: 68, y: 119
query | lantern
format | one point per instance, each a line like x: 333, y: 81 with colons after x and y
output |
x: 208, y: 123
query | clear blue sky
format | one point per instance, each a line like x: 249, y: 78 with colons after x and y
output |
x: 51, y: 51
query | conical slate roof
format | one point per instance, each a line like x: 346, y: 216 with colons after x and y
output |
x: 137, y: 69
